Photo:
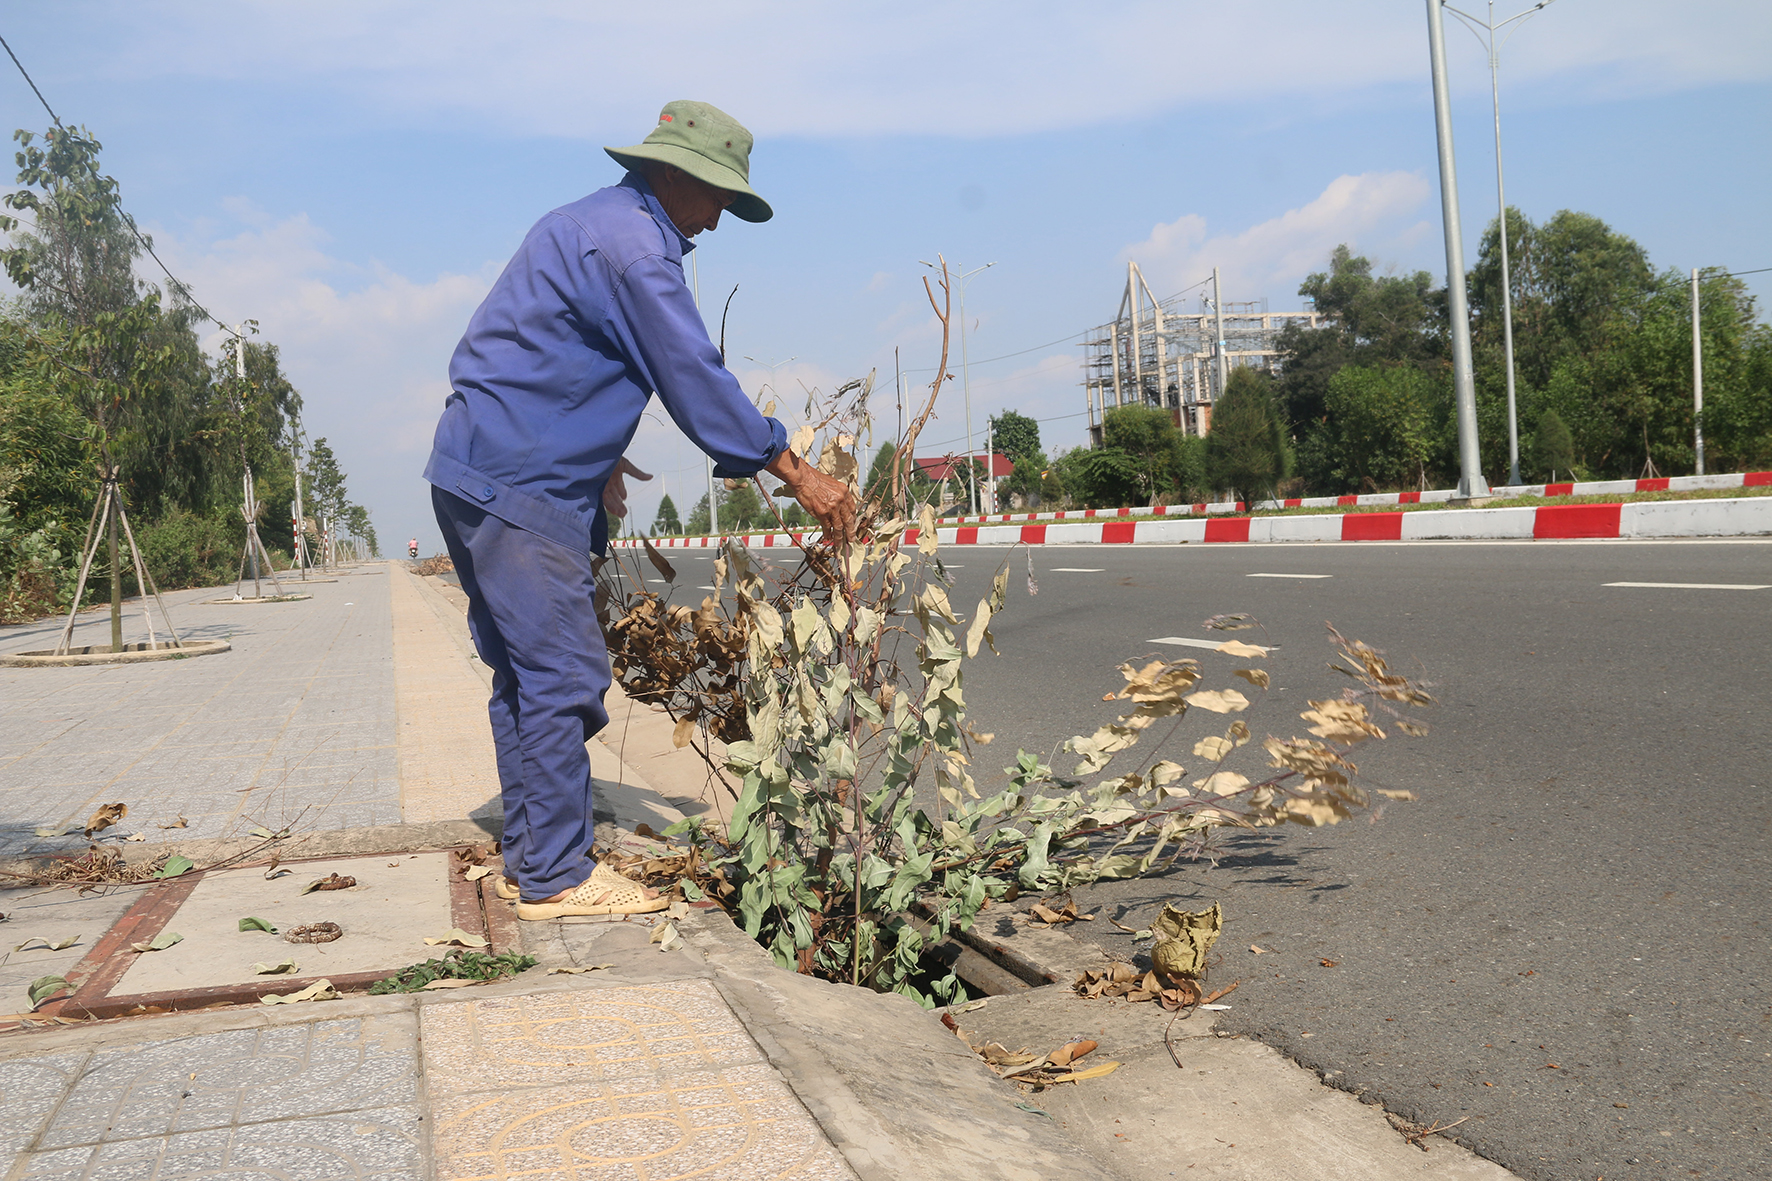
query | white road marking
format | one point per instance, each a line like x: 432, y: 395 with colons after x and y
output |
x: 1187, y: 642
x: 1075, y: 570
x: 704, y: 588
x: 1288, y: 576
x: 1694, y: 585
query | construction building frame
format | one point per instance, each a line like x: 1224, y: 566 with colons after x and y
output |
x: 1158, y: 353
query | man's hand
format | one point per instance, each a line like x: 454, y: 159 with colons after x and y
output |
x: 615, y: 492
x: 826, y: 498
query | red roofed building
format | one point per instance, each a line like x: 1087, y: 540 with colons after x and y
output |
x: 947, y: 467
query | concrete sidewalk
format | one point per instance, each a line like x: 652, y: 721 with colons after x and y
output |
x: 613, y: 1057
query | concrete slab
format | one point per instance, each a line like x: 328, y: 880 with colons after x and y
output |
x: 397, y: 903
x: 1233, y: 1109
x: 55, y: 915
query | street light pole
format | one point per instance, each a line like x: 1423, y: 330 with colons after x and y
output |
x: 1507, y: 291
x: 1470, y: 481
x: 1697, y: 376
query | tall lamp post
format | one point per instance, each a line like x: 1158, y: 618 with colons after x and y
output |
x: 1485, y: 32
x: 961, y: 276
x: 1464, y: 387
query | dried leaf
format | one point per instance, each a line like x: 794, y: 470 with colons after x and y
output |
x: 1098, y: 1071
x: 56, y: 830
x: 577, y: 971
x: 181, y: 822
x: 1219, y: 701
x: 474, y: 873
x: 160, y: 942
x: 253, y: 923
x: 260, y: 831
x: 451, y: 982
x: 331, y: 881
x: 284, y: 967
x: 1070, y: 1052
x: 665, y: 570
x: 136, y: 836
x: 1185, y: 939
x: 45, y: 987
x: 1258, y: 950
x: 665, y: 935
x: 682, y: 732
x: 1255, y: 676
x: 175, y: 865
x: 1396, y: 795
x: 1212, y: 747
x: 49, y: 944
x: 801, y: 440
x: 1239, y: 648
x: 457, y: 935
x: 106, y: 816
x: 1328, y: 963
x: 319, y: 990
x: 927, y: 541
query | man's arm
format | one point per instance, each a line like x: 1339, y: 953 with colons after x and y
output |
x: 656, y: 322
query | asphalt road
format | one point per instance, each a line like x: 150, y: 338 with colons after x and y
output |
x: 1564, y: 942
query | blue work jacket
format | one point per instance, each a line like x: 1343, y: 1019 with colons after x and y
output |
x: 588, y: 320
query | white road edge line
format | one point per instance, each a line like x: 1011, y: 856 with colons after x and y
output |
x: 1693, y: 585
x: 1288, y: 576
x: 1075, y: 570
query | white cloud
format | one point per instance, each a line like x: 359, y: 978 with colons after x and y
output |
x: 368, y: 348
x: 1375, y: 212
x: 806, y: 67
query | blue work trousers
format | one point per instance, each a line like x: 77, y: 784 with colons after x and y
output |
x: 530, y: 610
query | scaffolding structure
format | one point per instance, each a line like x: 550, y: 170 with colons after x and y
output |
x: 1158, y: 353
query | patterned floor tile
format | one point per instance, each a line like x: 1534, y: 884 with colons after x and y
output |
x: 384, y: 1145
x: 737, y: 1123
x: 589, y: 1034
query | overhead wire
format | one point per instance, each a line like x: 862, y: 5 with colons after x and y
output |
x: 179, y: 286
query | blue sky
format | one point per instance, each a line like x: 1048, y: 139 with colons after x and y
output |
x: 354, y: 175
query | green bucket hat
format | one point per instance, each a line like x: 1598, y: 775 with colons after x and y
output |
x: 709, y: 145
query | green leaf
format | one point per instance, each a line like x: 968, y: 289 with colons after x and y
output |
x: 692, y: 891
x: 45, y: 987
x: 256, y: 924
x: 175, y: 865
x: 260, y: 831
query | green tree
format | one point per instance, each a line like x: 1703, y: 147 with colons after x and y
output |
x: 666, y: 524
x: 697, y: 524
x: 1553, y: 449
x: 879, y: 481
x: 1386, y: 421
x: 741, y: 509
x: 1246, y: 450
x: 1016, y: 435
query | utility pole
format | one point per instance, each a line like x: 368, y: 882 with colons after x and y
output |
x: 990, y: 465
x: 713, y: 505
x: 1697, y: 376
x: 960, y: 275
x: 1507, y: 294
x: 1218, y: 332
x: 1471, y: 483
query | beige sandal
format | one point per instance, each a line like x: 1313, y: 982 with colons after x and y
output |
x: 604, y: 892
x: 506, y: 888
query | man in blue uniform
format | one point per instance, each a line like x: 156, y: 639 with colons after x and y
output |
x: 589, y: 319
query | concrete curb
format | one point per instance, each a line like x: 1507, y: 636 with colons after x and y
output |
x: 339, y: 842
x: 137, y: 653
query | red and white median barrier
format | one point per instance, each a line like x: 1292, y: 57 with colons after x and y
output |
x: 1441, y: 496
x: 1743, y: 517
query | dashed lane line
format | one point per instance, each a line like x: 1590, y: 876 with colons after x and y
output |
x: 1075, y: 570
x: 1288, y: 576
x: 1694, y: 585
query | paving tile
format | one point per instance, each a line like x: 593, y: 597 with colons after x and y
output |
x: 382, y: 1145
x: 215, y: 1081
x: 585, y: 1034
x: 30, y: 1089
x: 742, y: 1122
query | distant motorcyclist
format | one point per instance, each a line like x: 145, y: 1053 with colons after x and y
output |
x: 412, y: 548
